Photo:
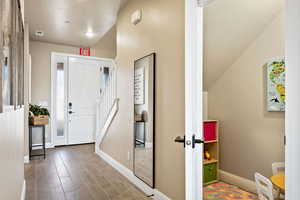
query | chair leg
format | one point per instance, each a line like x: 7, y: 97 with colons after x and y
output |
x: 281, y: 195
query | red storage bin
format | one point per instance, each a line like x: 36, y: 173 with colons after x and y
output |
x: 210, y: 131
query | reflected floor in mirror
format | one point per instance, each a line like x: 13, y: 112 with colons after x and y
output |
x: 223, y: 191
x: 144, y: 164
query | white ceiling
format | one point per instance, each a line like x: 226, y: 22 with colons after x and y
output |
x: 229, y: 28
x: 50, y: 16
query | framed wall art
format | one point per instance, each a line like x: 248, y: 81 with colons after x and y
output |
x: 276, y: 85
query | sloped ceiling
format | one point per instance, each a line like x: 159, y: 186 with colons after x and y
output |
x: 230, y: 26
x: 51, y: 16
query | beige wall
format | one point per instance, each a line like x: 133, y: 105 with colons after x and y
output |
x: 250, y: 137
x: 11, y: 154
x: 106, y: 47
x: 161, y: 31
x: 205, y: 105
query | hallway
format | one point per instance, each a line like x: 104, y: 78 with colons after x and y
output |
x: 76, y: 173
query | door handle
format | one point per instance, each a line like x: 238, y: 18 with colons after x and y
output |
x: 196, y: 141
x: 71, y: 112
x: 180, y: 139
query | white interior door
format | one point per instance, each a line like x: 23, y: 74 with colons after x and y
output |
x: 193, y: 100
x: 83, y: 91
x: 292, y: 113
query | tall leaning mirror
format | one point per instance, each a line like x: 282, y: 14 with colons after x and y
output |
x: 144, y: 118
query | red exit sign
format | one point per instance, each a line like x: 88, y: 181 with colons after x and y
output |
x: 85, y: 51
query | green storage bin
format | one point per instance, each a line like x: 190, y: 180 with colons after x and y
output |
x: 209, y: 172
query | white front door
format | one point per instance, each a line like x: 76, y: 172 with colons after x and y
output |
x: 193, y: 100
x: 83, y: 91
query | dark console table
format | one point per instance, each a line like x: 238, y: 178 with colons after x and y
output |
x: 31, y: 127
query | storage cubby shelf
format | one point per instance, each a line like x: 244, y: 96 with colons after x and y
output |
x: 211, y: 182
x: 210, y: 161
x: 212, y: 141
x: 211, y: 145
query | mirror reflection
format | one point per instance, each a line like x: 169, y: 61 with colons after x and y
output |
x: 144, y: 109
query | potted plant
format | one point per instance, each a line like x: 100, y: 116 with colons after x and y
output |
x: 38, y: 115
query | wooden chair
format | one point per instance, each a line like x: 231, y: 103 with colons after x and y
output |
x: 278, y: 167
x: 264, y: 187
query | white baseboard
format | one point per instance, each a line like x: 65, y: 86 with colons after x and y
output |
x: 48, y: 146
x: 127, y: 173
x: 23, y: 194
x: 26, y: 159
x: 241, y: 182
x: 160, y: 196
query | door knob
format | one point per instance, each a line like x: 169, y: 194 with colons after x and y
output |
x: 188, y: 142
x: 71, y: 112
x: 196, y: 141
x: 180, y: 139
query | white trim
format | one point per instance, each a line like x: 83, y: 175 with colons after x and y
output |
x: 48, y: 146
x: 53, y: 100
x: 127, y: 173
x: 26, y: 159
x: 79, y: 56
x: 292, y: 111
x: 148, y: 145
x: 160, y: 196
x: 241, y: 182
x: 23, y: 194
x: 52, y: 104
x: 193, y: 98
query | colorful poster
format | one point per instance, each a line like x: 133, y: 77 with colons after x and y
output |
x: 276, y: 85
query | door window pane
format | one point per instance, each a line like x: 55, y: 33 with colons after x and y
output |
x: 60, y: 98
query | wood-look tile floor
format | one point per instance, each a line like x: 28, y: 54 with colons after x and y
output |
x: 76, y: 173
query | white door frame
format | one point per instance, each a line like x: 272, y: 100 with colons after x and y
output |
x: 292, y: 113
x: 53, y: 89
x: 193, y: 98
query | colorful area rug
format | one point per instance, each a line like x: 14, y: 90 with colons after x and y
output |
x: 223, y: 191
